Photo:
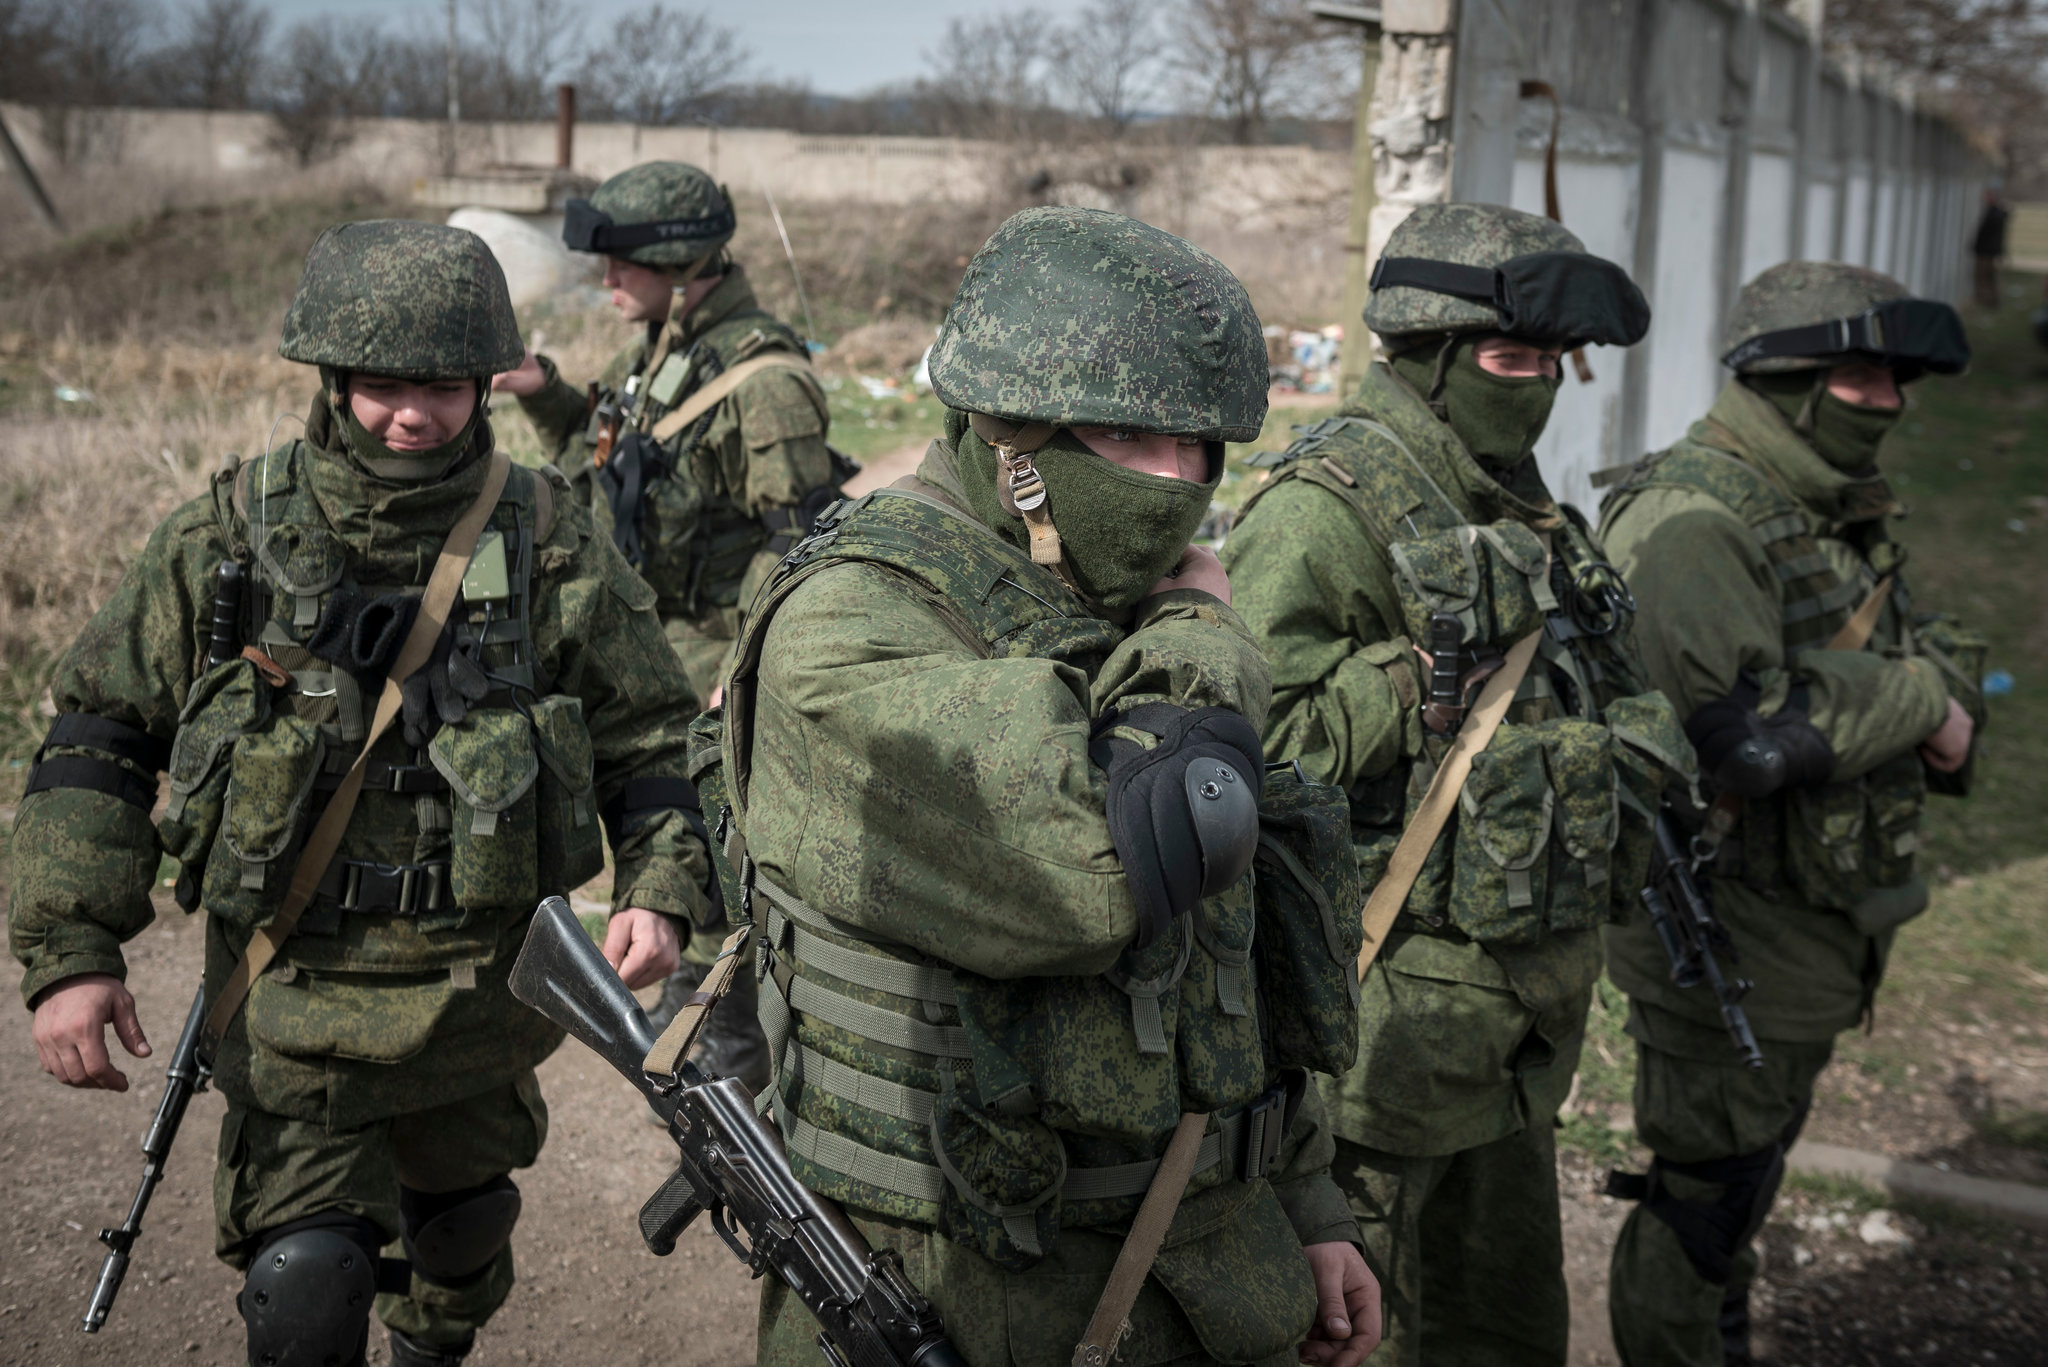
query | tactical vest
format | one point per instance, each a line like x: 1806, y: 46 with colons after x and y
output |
x: 1835, y: 844
x: 696, y: 538
x: 1553, y: 827
x: 928, y: 1093
x: 495, y: 812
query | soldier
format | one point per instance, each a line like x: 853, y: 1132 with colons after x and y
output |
x: 703, y: 449
x: 1774, y: 611
x: 379, y: 1076
x: 992, y: 752
x: 1402, y: 555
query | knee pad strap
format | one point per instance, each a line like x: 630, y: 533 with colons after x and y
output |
x: 1712, y: 1235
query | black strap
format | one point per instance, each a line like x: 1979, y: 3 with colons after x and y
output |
x: 118, y: 739
x: 1836, y: 337
x: 94, y: 775
x: 635, y: 463
x: 641, y: 796
x: 586, y: 228
x: 1481, y: 284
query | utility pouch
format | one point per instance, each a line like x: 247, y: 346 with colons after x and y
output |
x: 1844, y: 841
x: 491, y: 764
x: 571, y: 841
x: 1651, y: 752
x: 1309, y: 934
x: 1489, y: 578
x: 227, y: 702
x: 1536, y: 833
x: 1217, y: 1047
x: 1003, y: 1176
x: 264, y: 818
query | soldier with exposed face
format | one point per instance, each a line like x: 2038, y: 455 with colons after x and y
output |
x: 1403, y: 565
x: 991, y: 744
x: 378, y: 1072
x: 1825, y: 705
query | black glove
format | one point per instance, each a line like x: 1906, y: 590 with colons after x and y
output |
x: 1184, y: 815
x: 1752, y: 756
x: 441, y: 691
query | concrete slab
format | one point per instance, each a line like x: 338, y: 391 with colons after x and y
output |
x: 2014, y: 1201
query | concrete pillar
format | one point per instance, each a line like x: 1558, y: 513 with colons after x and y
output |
x: 1410, y: 119
x: 1652, y: 109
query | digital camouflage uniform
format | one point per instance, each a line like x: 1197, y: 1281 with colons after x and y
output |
x: 1747, y: 551
x: 722, y: 499
x: 1473, y: 1013
x: 983, y: 1036
x: 381, y: 1069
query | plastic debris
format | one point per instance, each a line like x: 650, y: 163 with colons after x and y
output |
x: 1878, y: 1230
x: 881, y: 386
x: 1998, y: 683
x: 64, y: 393
x: 2015, y: 525
x: 1308, y: 361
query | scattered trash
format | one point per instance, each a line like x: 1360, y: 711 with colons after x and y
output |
x: 66, y: 394
x: 2014, y: 524
x: 881, y: 386
x: 1998, y: 683
x: 1303, y: 360
x: 1878, y: 1230
x: 816, y: 347
x: 923, y: 378
x: 1801, y: 1255
x: 1966, y: 464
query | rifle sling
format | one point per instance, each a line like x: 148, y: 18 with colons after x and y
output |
x: 1855, y: 632
x: 673, y: 1047
x: 1391, y: 891
x: 435, y: 605
x: 719, y: 389
x: 1141, y: 1246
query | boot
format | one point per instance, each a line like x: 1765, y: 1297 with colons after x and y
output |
x: 407, y: 1351
x: 1734, y: 1326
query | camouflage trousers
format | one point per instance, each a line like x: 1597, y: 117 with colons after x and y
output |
x: 273, y: 1170
x: 1468, y: 1249
x: 1011, y: 1319
x: 1696, y: 1103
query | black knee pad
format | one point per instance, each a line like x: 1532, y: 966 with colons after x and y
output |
x: 309, y: 1290
x: 453, y: 1236
x: 1712, y: 1235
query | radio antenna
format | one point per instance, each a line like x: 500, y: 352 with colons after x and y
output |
x: 810, y: 328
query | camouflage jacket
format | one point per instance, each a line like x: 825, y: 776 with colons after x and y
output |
x: 341, y: 1030
x: 1471, y: 1016
x: 760, y: 450
x: 1746, y: 552
x: 912, y: 789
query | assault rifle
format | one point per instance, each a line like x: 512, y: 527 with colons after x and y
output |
x: 1684, y: 920
x: 734, y: 1166
x: 185, y: 1077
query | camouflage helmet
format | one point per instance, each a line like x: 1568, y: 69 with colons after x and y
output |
x: 420, y: 301
x: 1484, y: 235
x: 1806, y: 315
x: 664, y: 214
x: 1076, y: 316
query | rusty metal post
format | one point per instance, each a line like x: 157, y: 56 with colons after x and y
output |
x: 38, y: 199
x: 565, y: 126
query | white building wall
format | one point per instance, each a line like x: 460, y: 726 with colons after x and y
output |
x: 1767, y: 237
x: 1821, y: 203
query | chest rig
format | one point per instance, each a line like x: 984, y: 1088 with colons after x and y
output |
x: 1831, y: 845
x: 918, y: 1089
x: 1553, y: 825
x: 292, y: 723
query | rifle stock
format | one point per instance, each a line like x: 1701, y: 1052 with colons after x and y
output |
x: 733, y: 1165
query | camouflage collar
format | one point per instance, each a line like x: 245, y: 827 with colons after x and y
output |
x: 1387, y: 398
x: 734, y: 294
x: 940, y: 469
x: 1745, y: 424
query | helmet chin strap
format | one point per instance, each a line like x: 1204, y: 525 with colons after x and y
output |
x: 1022, y: 488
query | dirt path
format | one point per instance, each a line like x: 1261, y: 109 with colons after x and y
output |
x: 69, y: 1161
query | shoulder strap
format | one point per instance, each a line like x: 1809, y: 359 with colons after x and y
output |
x: 1406, y: 864
x: 1403, y: 494
x: 721, y: 388
x: 325, y: 839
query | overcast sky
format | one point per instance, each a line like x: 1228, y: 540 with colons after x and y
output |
x: 842, y: 47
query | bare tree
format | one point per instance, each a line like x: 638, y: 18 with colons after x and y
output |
x: 215, y: 57
x: 1257, y: 59
x: 521, y: 48
x: 328, y: 74
x: 1106, y: 57
x: 676, y: 65
x: 991, y: 76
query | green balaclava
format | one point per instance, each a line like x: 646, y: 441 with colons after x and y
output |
x: 1498, y: 417
x: 1121, y: 530
x: 351, y: 439
x: 1845, y: 435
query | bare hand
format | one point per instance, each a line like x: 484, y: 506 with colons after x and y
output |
x: 642, y: 946
x: 1347, y: 1326
x: 71, y: 1030
x: 525, y: 378
x: 1198, y: 569
x: 1949, y: 745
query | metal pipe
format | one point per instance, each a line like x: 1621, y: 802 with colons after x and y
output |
x: 565, y: 125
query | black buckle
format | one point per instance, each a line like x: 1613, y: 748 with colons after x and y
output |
x: 396, y: 889
x: 1265, y: 1125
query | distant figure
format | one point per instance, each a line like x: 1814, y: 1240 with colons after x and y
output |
x: 1989, y: 246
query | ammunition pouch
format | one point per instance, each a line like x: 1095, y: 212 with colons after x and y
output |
x: 571, y: 848
x: 1309, y: 933
x: 491, y: 764
x: 1493, y: 579
x: 267, y: 809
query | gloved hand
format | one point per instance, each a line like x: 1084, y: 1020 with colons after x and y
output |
x: 1752, y: 756
x: 1184, y: 814
x: 442, y: 690
x: 363, y: 635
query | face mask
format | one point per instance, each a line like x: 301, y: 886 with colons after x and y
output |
x: 1845, y: 435
x: 1498, y: 417
x: 1121, y: 530
x: 402, y: 467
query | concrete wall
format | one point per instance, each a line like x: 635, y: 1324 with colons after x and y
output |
x: 1702, y: 141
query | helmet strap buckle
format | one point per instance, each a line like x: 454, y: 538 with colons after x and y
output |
x: 1022, y: 488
